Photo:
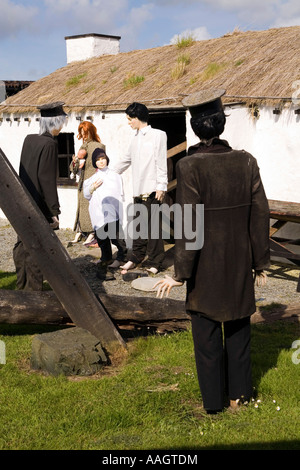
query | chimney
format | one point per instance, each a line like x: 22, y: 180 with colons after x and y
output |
x: 86, y: 46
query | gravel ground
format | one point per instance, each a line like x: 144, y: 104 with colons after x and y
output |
x: 281, y: 286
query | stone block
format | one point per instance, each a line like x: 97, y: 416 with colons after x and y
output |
x: 71, y: 351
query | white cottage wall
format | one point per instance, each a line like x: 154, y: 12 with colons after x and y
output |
x: 113, y: 130
x: 274, y: 140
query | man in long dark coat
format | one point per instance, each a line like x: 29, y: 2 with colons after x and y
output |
x: 220, y: 276
x: 38, y: 172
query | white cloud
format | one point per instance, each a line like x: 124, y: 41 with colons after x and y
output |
x: 131, y: 24
x: 16, y: 18
x: 288, y: 14
x: 199, y: 34
x: 87, y: 15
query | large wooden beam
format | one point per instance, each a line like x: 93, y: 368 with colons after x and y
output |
x: 177, y: 149
x: 21, y: 307
x: 71, y: 289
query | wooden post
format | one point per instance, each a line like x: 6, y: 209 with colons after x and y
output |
x: 57, y: 267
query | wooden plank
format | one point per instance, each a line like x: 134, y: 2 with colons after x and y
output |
x: 53, y: 260
x: 284, y: 210
x: 277, y: 226
x: 172, y: 185
x: 177, y: 149
x: 277, y: 249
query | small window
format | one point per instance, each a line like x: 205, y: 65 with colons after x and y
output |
x: 66, y: 150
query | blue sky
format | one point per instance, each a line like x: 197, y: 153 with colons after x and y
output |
x: 32, y: 32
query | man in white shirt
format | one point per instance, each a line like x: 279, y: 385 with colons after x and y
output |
x: 147, y: 154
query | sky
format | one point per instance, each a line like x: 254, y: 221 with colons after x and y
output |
x: 32, y: 32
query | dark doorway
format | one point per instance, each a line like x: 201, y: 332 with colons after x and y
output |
x: 174, y: 124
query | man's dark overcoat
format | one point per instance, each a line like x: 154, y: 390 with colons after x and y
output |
x: 38, y: 171
x: 236, y: 230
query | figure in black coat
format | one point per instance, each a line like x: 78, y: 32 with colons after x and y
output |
x: 220, y: 275
x: 38, y: 172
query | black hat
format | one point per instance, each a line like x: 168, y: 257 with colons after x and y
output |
x: 98, y: 153
x: 52, y: 109
x: 204, y: 103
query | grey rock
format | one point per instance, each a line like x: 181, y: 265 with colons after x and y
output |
x: 71, y: 351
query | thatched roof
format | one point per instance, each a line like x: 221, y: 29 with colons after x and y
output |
x: 250, y: 65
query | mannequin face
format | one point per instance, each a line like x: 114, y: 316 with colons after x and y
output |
x: 101, y: 163
x: 135, y: 123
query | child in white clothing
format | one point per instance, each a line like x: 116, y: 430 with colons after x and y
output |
x: 104, y: 190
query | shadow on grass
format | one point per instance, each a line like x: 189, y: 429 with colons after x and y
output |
x: 268, y: 340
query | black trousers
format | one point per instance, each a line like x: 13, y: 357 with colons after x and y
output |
x: 29, y: 276
x: 222, y: 354
x: 151, y: 246
x: 111, y: 233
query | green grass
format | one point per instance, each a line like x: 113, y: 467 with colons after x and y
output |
x: 211, y: 70
x: 151, y: 401
x: 132, y: 81
x: 184, y: 41
x: 74, y: 81
x: 148, y: 401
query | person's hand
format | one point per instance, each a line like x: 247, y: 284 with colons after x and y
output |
x: 159, y: 195
x: 260, y: 278
x: 98, y: 183
x: 55, y: 223
x: 165, y: 286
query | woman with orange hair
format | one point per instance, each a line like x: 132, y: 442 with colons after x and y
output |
x: 90, y: 141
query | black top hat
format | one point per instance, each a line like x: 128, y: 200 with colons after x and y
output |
x: 52, y: 109
x: 204, y: 103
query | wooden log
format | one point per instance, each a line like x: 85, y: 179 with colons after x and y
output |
x: 24, y: 307
x: 21, y: 307
x: 53, y: 260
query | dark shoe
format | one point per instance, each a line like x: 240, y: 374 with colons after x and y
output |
x: 102, y: 272
x: 108, y: 276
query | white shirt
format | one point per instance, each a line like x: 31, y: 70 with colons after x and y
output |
x: 147, y: 154
x: 106, y: 201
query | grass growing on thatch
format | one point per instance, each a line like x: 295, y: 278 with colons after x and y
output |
x: 180, y: 68
x: 184, y: 41
x: 74, y: 81
x: 132, y: 81
x: 239, y: 62
x: 113, y: 69
x: 212, y: 69
x: 184, y: 58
